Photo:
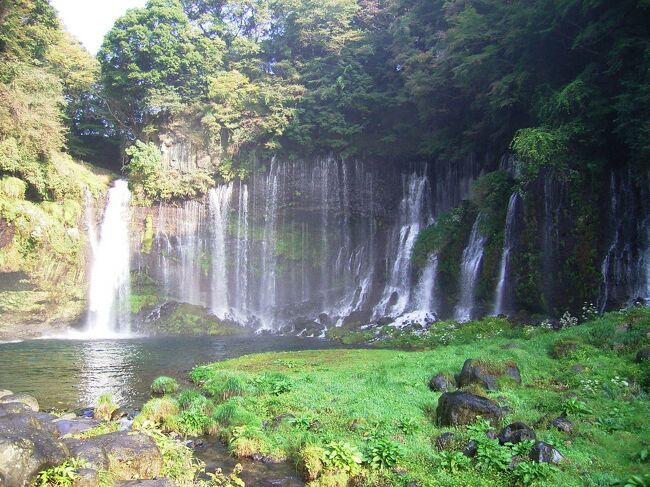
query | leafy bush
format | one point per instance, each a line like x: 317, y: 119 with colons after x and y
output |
x: 106, y: 406
x: 453, y: 461
x: 408, y: 426
x: 61, y: 475
x: 383, y: 453
x: 164, y: 385
x: 574, y: 407
x: 529, y: 472
x: 342, y: 456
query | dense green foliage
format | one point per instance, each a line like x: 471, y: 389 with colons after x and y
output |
x: 561, y: 81
x: 43, y: 75
x: 369, y: 415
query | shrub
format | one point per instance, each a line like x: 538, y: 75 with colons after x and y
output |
x: 158, y: 410
x: 529, y: 472
x: 61, y: 475
x: 574, y: 407
x: 106, y: 406
x: 383, y: 453
x: 453, y: 461
x: 342, y: 456
x: 164, y: 385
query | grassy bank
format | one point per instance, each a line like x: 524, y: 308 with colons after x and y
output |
x: 368, y: 417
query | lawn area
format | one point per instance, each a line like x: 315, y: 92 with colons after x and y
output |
x: 368, y: 416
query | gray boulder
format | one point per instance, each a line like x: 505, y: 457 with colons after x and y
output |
x: 440, y: 383
x: 460, y: 407
x: 26, y: 399
x: 74, y: 426
x: 129, y: 456
x: 27, y: 446
x: 545, y: 453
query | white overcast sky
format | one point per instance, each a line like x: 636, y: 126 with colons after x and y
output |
x: 90, y: 20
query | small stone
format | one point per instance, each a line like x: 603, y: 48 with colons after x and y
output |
x: 471, y: 449
x: 578, y: 368
x: 515, y: 433
x: 440, y: 383
x: 545, y: 453
x: 562, y: 424
x: 443, y: 440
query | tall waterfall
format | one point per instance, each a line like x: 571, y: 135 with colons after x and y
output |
x: 626, y: 264
x: 109, y: 296
x: 306, y: 244
x: 469, y: 271
x: 503, y: 293
x: 219, y: 204
x: 413, y: 216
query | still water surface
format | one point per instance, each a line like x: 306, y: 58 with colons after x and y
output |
x: 64, y: 374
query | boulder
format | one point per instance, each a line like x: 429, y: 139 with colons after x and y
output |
x: 5, y: 392
x: 515, y: 433
x: 545, y: 453
x: 86, y: 477
x: 27, y: 446
x: 75, y: 426
x: 26, y: 399
x: 643, y: 355
x: 562, y: 424
x: 129, y: 456
x: 486, y: 375
x: 460, y: 407
x: 14, y: 408
x: 440, y: 383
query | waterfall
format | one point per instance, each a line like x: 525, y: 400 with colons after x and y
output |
x: 109, y: 295
x: 241, y: 254
x: 219, y: 204
x: 625, y: 267
x: 469, y: 271
x: 412, y: 217
x: 503, y: 293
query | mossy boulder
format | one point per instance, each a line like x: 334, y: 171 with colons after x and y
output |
x: 173, y: 318
x: 643, y: 355
x: 488, y: 374
x: 441, y: 383
x: 460, y: 407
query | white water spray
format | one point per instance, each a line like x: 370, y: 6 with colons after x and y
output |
x: 470, y: 267
x: 108, y: 301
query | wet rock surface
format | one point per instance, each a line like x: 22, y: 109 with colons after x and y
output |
x: 27, y: 446
x: 459, y: 408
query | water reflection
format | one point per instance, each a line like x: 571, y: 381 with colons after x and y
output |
x: 64, y: 374
x: 108, y: 368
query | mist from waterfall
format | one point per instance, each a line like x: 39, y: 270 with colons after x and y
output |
x: 109, y: 293
x: 503, y: 293
x: 469, y: 271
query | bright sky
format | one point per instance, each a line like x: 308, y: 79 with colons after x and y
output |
x: 90, y: 20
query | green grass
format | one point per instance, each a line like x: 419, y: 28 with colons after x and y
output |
x: 376, y: 401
